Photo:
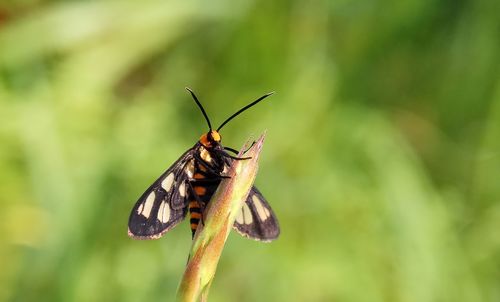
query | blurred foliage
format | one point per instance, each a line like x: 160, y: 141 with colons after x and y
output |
x: 382, y: 157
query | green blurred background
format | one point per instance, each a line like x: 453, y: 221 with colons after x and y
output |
x: 382, y: 159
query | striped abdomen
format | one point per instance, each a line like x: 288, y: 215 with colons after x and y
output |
x: 204, y: 185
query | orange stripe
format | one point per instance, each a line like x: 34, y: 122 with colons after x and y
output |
x: 194, y: 226
x: 202, y: 168
x: 198, y: 176
x: 193, y: 204
x: 200, y: 190
x: 196, y: 215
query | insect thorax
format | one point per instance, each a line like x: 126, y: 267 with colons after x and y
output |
x: 206, y: 170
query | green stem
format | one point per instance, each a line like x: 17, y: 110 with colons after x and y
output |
x: 219, y: 218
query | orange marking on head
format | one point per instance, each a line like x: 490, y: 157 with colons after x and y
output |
x: 200, y: 190
x: 196, y: 215
x: 198, y: 176
x: 204, y: 140
x: 207, y: 138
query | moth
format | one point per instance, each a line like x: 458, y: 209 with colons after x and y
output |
x: 188, y: 185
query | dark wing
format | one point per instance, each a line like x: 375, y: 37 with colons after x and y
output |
x: 256, y: 219
x: 163, y: 205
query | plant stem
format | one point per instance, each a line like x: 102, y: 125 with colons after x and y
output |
x: 219, y: 218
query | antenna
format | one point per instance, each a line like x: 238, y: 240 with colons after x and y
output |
x: 243, y: 109
x: 201, y: 107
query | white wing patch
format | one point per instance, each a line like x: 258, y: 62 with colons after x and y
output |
x: 163, y: 212
x: 245, y: 215
x: 163, y: 205
x: 167, y: 183
x: 262, y: 211
x: 256, y: 219
x: 239, y: 218
x: 139, y: 209
x: 190, y: 169
x: 182, y: 190
x: 148, y: 204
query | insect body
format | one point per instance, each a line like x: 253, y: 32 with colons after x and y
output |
x: 188, y: 185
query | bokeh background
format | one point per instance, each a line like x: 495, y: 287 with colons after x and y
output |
x: 382, y: 158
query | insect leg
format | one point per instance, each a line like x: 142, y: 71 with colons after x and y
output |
x: 236, y: 151
x: 207, y: 166
x: 233, y: 157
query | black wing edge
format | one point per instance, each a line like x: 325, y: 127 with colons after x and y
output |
x: 166, y: 208
x: 263, y: 225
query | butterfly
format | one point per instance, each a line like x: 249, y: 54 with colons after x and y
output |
x: 188, y: 185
